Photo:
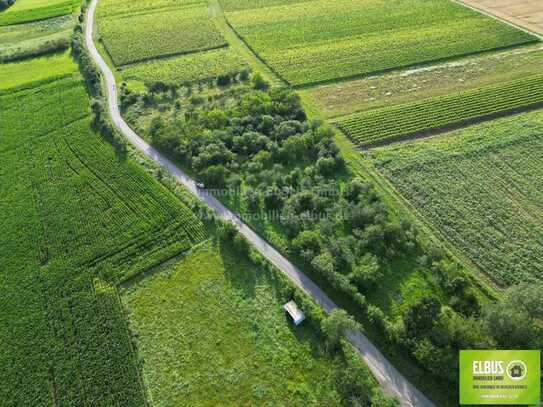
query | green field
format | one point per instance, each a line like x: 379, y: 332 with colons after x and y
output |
x: 45, y: 68
x: 24, y: 38
x: 343, y: 98
x: 211, y: 331
x: 319, y: 41
x: 117, y: 7
x: 24, y: 11
x: 159, y: 33
x: 391, y: 123
x: 192, y: 67
x: 481, y: 189
x: 77, y: 217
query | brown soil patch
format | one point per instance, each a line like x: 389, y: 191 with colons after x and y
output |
x: 523, y: 13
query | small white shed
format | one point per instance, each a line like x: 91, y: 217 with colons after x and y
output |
x: 295, y: 313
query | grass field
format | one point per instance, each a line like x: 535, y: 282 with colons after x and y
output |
x: 45, y: 68
x: 344, y: 98
x: 391, y: 123
x: 320, y: 41
x: 159, y: 33
x: 24, y: 11
x: 192, y: 67
x: 211, y: 331
x: 77, y: 218
x: 481, y: 188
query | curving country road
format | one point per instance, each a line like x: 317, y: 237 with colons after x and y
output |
x: 390, y: 379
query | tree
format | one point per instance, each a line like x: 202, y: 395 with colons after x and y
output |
x: 307, y: 244
x: 253, y: 200
x: 513, y: 328
x: 367, y: 272
x: 527, y: 297
x: 335, y: 325
x: 420, y: 317
x: 259, y: 83
x: 215, y: 176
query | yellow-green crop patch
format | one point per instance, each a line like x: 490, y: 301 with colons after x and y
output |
x: 159, y: 33
x: 320, y: 41
x: 392, y: 123
x: 16, y: 74
x: 392, y: 88
x: 481, y: 189
x: 77, y: 218
x: 192, y: 67
x: 24, y: 11
x: 117, y: 7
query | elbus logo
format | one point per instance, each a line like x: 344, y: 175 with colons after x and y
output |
x: 500, y: 377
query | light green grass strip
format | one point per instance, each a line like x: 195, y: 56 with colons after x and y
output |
x: 15, y: 74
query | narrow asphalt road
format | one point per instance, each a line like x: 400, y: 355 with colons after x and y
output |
x: 390, y: 379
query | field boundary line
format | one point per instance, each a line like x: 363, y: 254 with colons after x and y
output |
x: 392, y: 381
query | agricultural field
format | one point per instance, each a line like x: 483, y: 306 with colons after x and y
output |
x: 159, y: 33
x: 480, y: 188
x: 22, y: 39
x: 28, y: 72
x: 24, y: 11
x: 321, y: 41
x: 392, y: 123
x: 192, y: 68
x: 78, y: 218
x: 211, y: 331
x: 344, y: 98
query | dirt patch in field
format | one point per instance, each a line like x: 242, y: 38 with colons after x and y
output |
x: 524, y: 13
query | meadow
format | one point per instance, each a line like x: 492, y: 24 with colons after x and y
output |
x: 24, y: 11
x: 321, y: 41
x: 158, y: 33
x: 480, y: 188
x: 193, y: 67
x: 392, y: 123
x: 78, y: 218
x: 210, y: 330
x: 27, y: 72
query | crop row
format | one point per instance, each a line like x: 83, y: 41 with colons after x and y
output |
x: 387, y: 124
x: 192, y: 67
x: 77, y: 218
x: 346, y: 38
x: 140, y: 37
x: 481, y: 189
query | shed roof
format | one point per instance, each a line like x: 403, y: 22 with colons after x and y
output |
x: 295, y: 313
